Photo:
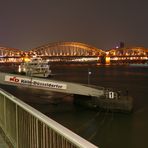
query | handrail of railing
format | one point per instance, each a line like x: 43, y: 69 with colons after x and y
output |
x: 71, y: 137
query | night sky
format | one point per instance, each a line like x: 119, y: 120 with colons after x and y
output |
x: 26, y: 24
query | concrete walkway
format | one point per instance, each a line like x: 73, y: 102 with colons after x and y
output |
x: 3, y: 143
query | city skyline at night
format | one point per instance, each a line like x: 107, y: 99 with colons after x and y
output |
x: 103, y: 24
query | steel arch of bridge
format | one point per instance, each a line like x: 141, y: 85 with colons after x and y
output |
x: 66, y: 49
x: 10, y: 52
x: 72, y: 49
x: 134, y: 51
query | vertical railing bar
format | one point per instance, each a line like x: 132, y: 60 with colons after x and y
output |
x: 5, y: 113
x: 50, y: 137
x: 58, y: 140
x: 37, y: 133
x: 34, y: 132
x: 43, y: 135
x: 31, y: 138
x: 62, y: 142
x: 25, y: 124
x: 41, y: 132
x: 31, y: 131
x: 17, y: 126
x: 21, y: 127
x: 23, y: 130
x: 55, y: 145
x: 47, y: 137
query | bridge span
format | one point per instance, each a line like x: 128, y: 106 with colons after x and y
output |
x: 75, y: 52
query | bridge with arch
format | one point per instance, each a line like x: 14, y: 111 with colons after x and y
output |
x: 67, y: 49
x: 127, y: 55
x: 76, y: 52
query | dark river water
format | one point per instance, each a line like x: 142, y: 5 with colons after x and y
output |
x: 103, y: 128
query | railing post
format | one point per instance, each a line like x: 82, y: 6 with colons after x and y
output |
x: 37, y: 133
x: 4, y: 114
x: 17, y: 126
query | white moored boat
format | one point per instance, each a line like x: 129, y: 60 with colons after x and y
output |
x: 35, y: 67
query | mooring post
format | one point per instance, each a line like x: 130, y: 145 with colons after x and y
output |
x: 88, y: 74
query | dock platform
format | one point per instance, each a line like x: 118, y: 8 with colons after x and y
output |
x: 87, y: 95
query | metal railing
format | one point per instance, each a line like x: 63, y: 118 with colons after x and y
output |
x: 25, y: 127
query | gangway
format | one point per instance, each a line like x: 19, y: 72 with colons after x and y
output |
x: 51, y: 85
x: 94, y: 96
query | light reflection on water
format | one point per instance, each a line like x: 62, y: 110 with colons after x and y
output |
x: 105, y: 129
